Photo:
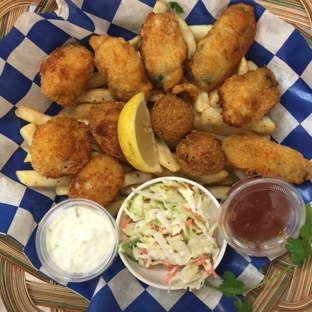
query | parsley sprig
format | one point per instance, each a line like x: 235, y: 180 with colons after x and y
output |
x: 299, y: 249
x: 176, y: 6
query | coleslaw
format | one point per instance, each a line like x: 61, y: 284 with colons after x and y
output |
x: 169, y: 224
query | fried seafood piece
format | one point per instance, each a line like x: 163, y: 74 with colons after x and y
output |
x: 65, y: 73
x: 219, y: 52
x: 257, y: 155
x: 121, y: 65
x: 99, y: 180
x: 60, y: 147
x: 199, y: 154
x: 172, y: 118
x: 103, y: 121
x: 163, y: 49
x: 247, y: 98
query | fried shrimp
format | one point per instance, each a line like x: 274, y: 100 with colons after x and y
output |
x: 199, y: 154
x: 65, y: 73
x: 247, y: 98
x: 172, y: 118
x: 99, y: 180
x: 163, y: 49
x: 121, y: 65
x: 219, y: 52
x: 60, y: 147
x: 103, y: 120
x: 257, y: 155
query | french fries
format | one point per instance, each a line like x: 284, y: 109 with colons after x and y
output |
x: 218, y: 191
x: 188, y: 37
x: 211, y: 178
x: 165, y: 157
x: 135, y: 41
x: 160, y: 7
x: 32, y: 178
x: 200, y: 31
x: 212, y: 117
x: 27, y: 132
x: 242, y: 67
x: 97, y: 95
x: 78, y: 111
x: 136, y: 177
x: 201, y: 101
x: 32, y: 116
x: 97, y: 80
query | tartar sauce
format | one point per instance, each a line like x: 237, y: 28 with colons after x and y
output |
x: 78, y: 239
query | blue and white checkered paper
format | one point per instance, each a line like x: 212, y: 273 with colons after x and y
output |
x: 277, y: 45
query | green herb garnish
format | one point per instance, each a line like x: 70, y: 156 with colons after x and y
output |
x: 176, y: 6
x: 299, y: 249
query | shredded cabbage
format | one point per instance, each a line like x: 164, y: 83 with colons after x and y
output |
x: 172, y: 227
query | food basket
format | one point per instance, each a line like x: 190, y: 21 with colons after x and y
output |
x: 24, y: 289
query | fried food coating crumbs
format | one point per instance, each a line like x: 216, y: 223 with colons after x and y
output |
x: 60, y: 147
x: 65, y: 73
x: 172, y: 118
x: 199, y: 153
x: 99, y: 180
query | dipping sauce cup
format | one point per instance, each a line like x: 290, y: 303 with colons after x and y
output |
x: 76, y: 240
x: 259, y: 214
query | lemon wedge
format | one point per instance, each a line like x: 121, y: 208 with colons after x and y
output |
x: 136, y: 136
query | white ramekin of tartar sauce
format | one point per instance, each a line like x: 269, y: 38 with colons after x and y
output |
x: 76, y: 240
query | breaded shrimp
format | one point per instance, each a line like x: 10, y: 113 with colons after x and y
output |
x: 60, y: 147
x: 103, y: 120
x: 219, y: 52
x: 99, y: 180
x: 257, y: 155
x: 65, y: 73
x: 163, y: 49
x: 172, y: 118
x: 199, y: 154
x: 247, y: 98
x: 121, y: 65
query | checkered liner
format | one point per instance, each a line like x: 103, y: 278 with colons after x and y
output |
x: 277, y: 45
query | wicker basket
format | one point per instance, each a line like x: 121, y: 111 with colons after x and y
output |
x: 292, y: 292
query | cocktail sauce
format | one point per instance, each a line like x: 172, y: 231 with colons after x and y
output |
x: 260, y: 216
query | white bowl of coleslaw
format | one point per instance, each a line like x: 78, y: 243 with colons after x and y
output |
x: 168, y: 233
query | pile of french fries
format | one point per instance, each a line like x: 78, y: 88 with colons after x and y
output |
x: 207, y: 118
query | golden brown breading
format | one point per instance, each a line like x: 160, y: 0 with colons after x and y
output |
x: 199, y: 154
x: 255, y: 154
x: 247, y: 98
x: 99, y: 180
x: 65, y: 73
x: 60, y: 147
x: 123, y: 68
x: 103, y: 120
x: 163, y: 49
x: 172, y: 118
x: 218, y: 53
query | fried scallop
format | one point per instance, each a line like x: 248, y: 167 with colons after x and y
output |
x: 219, y: 52
x: 121, y: 65
x: 99, y: 180
x: 163, y: 49
x: 257, y: 155
x: 247, y: 98
x: 60, y: 147
x: 199, y: 153
x: 172, y: 118
x: 65, y: 73
x: 103, y: 121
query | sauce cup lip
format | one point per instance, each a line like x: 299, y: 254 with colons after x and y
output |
x: 271, y: 248
x: 48, y: 265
